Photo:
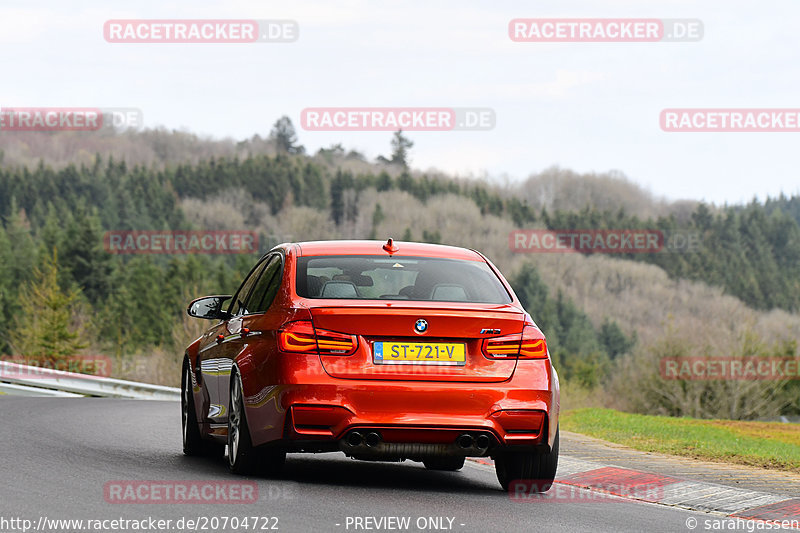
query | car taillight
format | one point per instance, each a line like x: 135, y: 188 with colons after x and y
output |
x: 297, y: 337
x: 529, y: 345
x: 332, y: 343
x: 301, y: 337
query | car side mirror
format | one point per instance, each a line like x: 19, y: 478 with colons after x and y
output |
x: 209, y: 307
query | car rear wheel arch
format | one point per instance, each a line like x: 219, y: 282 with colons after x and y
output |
x: 243, y: 457
x: 193, y: 442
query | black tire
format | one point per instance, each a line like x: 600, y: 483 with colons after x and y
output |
x: 193, y: 443
x: 243, y: 458
x: 450, y: 464
x: 241, y: 455
x: 536, y: 468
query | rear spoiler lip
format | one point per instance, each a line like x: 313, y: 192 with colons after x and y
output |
x: 326, y: 303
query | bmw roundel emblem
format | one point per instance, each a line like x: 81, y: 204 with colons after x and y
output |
x: 421, y: 325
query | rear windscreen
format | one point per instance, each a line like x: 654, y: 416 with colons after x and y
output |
x: 359, y: 277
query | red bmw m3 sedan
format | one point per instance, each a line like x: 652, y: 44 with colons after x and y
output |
x: 384, y: 351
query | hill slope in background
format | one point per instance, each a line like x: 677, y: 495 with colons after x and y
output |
x: 743, y: 282
x: 553, y: 189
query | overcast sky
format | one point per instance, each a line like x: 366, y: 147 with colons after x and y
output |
x: 582, y: 106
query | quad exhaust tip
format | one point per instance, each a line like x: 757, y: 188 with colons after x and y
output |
x: 355, y: 438
x: 372, y: 439
x: 465, y: 441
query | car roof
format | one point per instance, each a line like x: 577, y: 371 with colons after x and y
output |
x: 404, y: 249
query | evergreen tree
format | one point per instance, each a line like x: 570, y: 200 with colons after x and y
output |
x: 433, y: 237
x: 383, y: 182
x: 285, y: 137
x: 46, y: 327
x: 614, y: 340
x: 400, y: 147
x: 84, y: 257
x: 378, y: 216
x: 8, y: 291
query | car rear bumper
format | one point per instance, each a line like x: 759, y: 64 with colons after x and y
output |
x: 431, y: 413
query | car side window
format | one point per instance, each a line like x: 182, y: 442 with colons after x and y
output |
x: 238, y: 304
x: 266, y: 287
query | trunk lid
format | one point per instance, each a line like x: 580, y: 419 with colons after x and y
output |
x: 389, y: 329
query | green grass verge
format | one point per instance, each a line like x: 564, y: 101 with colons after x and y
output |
x: 764, y: 444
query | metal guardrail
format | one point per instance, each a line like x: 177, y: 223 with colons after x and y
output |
x: 21, y: 390
x: 25, y: 379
